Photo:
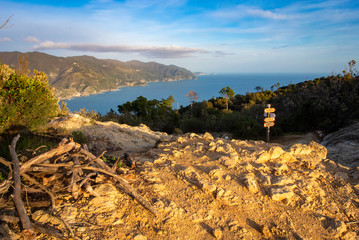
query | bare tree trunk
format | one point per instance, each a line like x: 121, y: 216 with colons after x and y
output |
x: 28, y: 231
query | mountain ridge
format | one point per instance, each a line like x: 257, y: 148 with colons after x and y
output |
x: 86, y: 75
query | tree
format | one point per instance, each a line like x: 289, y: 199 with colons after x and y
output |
x: 351, y: 66
x: 193, y: 96
x: 23, y: 66
x: 350, y: 73
x: 26, y: 102
x: 275, y: 87
x: 228, y: 93
x: 259, y: 89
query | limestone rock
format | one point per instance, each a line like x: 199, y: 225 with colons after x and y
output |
x: 140, y: 237
x: 102, y: 136
x: 336, y: 228
x: 263, y: 157
x: 275, y: 152
x: 208, y: 137
x: 286, y: 157
x: 229, y: 161
x: 281, y: 193
x: 217, y: 233
x: 251, y: 183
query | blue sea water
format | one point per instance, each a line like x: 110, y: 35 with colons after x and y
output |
x: 206, y: 86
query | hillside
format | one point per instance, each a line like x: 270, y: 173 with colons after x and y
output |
x: 198, y: 187
x: 85, y: 75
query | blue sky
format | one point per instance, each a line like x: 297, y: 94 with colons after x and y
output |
x: 205, y: 36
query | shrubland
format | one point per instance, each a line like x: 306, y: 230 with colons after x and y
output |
x: 325, y: 104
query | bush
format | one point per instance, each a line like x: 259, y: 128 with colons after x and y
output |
x: 26, y: 102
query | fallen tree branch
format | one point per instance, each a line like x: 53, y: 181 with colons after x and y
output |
x: 61, y: 149
x: 28, y: 231
x: 128, y: 189
x: 39, y: 185
x: 97, y: 160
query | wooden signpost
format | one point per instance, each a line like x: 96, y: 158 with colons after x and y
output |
x: 269, y: 119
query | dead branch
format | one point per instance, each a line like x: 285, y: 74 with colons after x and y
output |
x: 128, y: 189
x: 61, y: 149
x: 88, y: 186
x: 39, y: 185
x: 28, y: 231
x: 49, y: 231
x: 5, y: 23
x: 4, y: 186
x: 67, y: 226
x: 97, y: 160
x: 76, y: 173
x: 9, y: 218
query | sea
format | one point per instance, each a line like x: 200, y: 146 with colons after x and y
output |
x: 206, y: 86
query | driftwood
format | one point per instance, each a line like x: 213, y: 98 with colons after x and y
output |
x: 28, y: 231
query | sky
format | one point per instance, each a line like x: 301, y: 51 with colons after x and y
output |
x: 225, y: 36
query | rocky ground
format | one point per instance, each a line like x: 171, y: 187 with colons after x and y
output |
x: 210, y: 188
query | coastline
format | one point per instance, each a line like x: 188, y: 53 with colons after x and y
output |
x: 136, y: 84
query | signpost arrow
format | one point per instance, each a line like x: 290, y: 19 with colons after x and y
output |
x: 269, y: 119
x: 269, y: 124
x: 269, y: 110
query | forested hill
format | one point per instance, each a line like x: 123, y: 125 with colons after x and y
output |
x: 85, y: 75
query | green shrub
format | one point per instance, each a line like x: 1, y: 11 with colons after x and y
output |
x: 79, y: 137
x: 26, y: 102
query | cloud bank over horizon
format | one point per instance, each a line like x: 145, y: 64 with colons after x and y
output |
x: 149, y: 51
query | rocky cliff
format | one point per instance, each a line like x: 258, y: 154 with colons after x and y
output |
x: 210, y: 188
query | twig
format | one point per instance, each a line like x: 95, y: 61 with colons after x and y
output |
x: 6, y: 163
x: 86, y: 178
x: 4, y: 186
x: 5, y: 23
x: 28, y: 231
x: 67, y: 226
x: 97, y: 160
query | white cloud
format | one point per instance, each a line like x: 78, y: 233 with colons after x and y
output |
x: 149, y: 51
x: 5, y: 39
x: 32, y: 39
x: 243, y: 11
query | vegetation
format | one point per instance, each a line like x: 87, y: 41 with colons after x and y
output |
x: 325, y: 104
x: 24, y: 101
